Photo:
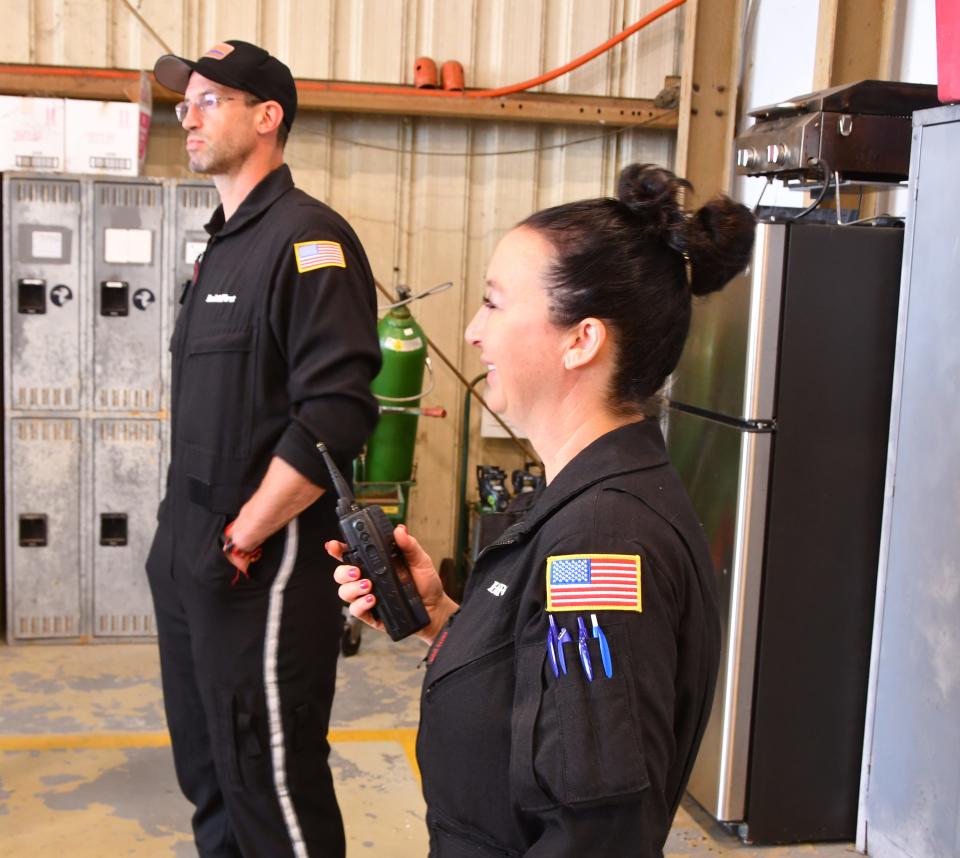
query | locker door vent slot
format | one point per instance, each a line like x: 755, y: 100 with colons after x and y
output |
x: 44, y: 397
x: 113, y: 528
x: 130, y: 430
x: 31, y: 296
x: 44, y: 430
x: 125, y: 399
x: 199, y: 198
x: 46, y: 192
x: 33, y: 530
x: 129, y: 196
x: 125, y: 624
x: 47, y: 626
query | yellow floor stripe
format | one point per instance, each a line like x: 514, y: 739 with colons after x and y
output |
x: 405, y: 737
x: 74, y: 741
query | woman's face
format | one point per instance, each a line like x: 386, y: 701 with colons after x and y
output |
x: 519, y: 346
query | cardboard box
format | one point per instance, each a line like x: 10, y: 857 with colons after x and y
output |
x: 108, y: 137
x: 104, y: 137
x: 31, y: 133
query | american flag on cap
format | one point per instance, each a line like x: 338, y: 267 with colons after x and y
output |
x: 311, y: 255
x: 594, y: 582
x: 219, y: 51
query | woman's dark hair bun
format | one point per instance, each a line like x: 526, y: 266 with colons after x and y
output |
x: 719, y: 244
x: 653, y: 195
x: 716, y: 240
x: 647, y: 187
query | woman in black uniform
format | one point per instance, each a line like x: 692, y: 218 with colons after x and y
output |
x: 565, y: 699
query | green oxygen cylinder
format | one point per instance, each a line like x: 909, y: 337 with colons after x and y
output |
x: 398, y: 386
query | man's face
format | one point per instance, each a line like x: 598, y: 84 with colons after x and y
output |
x: 222, y: 135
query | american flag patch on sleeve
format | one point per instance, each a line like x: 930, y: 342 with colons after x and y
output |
x: 311, y: 255
x: 594, y: 582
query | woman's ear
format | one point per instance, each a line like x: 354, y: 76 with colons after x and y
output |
x: 586, y: 342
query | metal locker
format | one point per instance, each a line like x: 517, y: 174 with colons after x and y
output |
x: 193, y: 203
x: 126, y: 465
x: 42, y: 301
x: 128, y: 295
x: 43, y: 528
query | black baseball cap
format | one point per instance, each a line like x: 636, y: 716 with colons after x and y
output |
x: 239, y: 65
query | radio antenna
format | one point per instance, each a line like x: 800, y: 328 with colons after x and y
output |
x: 346, y: 503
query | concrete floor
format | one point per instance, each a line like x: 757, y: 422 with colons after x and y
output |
x: 86, y: 771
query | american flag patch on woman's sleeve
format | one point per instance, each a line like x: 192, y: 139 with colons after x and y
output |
x: 594, y: 582
x: 311, y: 255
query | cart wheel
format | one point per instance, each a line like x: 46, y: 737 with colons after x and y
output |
x: 350, y: 639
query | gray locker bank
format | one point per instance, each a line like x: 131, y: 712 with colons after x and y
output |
x: 92, y: 269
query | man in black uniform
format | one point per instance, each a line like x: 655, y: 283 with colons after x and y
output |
x: 274, y: 349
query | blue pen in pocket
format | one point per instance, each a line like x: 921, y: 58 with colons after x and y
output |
x: 552, y: 646
x: 584, y: 650
x: 604, y: 646
x: 562, y: 638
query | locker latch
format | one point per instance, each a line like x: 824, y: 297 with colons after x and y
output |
x: 114, y: 298
x: 113, y: 528
x: 31, y: 296
x: 33, y: 530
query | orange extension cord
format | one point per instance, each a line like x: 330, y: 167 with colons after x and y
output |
x: 503, y: 90
x: 380, y: 89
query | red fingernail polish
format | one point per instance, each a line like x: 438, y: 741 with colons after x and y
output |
x: 369, y: 598
x: 354, y: 573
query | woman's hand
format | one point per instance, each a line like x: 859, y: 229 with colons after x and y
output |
x: 357, y: 591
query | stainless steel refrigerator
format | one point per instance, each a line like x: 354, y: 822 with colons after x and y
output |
x: 778, y: 426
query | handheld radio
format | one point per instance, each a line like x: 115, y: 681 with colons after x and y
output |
x: 371, y: 547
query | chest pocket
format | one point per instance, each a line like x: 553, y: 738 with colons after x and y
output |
x: 215, y: 401
x: 576, y: 742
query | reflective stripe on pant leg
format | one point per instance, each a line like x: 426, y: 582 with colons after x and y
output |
x: 274, y: 716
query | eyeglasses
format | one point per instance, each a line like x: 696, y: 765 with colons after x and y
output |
x: 208, y: 101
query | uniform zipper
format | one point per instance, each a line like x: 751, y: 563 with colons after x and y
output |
x: 429, y: 689
x: 500, y: 543
x: 438, y: 641
x: 189, y: 298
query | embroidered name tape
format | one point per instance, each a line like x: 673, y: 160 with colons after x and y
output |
x: 311, y: 255
x: 594, y: 582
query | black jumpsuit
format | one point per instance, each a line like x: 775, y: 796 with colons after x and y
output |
x: 274, y: 349
x: 517, y: 761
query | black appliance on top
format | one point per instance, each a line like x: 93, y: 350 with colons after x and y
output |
x: 860, y: 131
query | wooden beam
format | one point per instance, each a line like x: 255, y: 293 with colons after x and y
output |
x: 64, y: 82
x: 708, y: 96
x: 522, y: 107
x: 854, y: 42
x: 121, y: 85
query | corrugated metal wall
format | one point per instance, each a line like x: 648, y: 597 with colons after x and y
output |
x: 429, y: 198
